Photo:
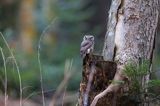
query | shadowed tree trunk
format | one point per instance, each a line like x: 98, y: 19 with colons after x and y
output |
x: 132, y: 28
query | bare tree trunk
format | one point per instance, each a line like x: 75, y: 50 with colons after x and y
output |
x: 131, y: 34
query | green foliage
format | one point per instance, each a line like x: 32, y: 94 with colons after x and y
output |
x: 154, y: 83
x: 65, y: 44
x: 135, y: 71
x: 117, y: 82
x: 136, y: 74
x: 137, y: 85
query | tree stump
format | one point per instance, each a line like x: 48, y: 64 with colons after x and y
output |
x: 103, y: 75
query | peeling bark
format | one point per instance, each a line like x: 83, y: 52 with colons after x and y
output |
x: 136, y: 28
x: 109, y: 46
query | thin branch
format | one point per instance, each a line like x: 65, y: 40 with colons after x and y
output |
x: 36, y: 93
x: 5, y: 72
x: 17, y: 67
x: 67, y: 76
x: 64, y: 96
x: 39, y: 61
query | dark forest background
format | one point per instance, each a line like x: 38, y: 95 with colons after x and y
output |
x: 57, y: 27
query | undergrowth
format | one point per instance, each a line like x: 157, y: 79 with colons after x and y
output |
x: 140, y: 84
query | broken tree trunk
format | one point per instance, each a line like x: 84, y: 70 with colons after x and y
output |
x: 96, y: 76
x: 131, y: 34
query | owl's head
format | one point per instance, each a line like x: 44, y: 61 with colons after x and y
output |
x: 89, y: 37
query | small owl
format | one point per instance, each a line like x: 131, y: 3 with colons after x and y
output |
x: 87, y: 45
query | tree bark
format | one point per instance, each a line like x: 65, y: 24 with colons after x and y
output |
x: 131, y: 35
x: 134, y: 33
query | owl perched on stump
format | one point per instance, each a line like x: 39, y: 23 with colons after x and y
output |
x: 87, y: 45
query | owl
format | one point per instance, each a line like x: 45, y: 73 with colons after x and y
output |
x: 87, y: 45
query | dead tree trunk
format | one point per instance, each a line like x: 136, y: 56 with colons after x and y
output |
x: 131, y: 35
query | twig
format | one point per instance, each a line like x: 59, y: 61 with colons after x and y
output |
x: 64, y: 96
x: 36, y: 93
x: 5, y: 72
x: 39, y: 61
x: 17, y: 67
x: 61, y: 87
x: 41, y: 78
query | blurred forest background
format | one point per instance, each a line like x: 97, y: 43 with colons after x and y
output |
x: 57, y: 27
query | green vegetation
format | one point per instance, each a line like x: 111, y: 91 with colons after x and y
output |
x: 60, y: 41
x: 139, y: 87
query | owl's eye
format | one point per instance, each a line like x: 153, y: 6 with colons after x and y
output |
x: 91, y: 38
x: 88, y: 37
x: 85, y: 37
